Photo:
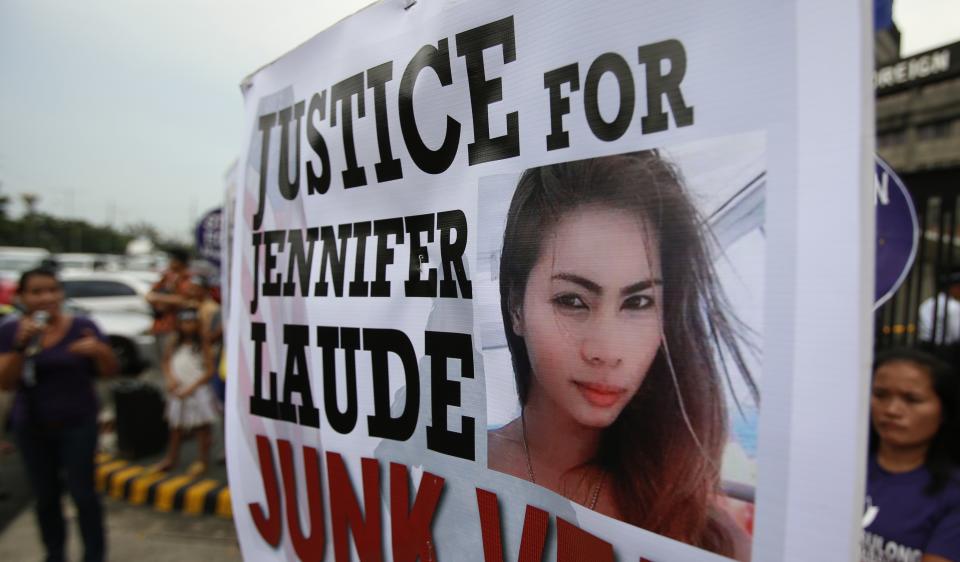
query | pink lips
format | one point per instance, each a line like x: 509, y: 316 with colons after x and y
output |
x: 600, y: 395
x: 890, y: 426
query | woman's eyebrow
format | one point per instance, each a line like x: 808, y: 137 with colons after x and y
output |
x: 598, y: 290
x: 640, y: 286
x: 582, y: 281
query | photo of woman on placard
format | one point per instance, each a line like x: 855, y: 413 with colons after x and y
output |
x: 617, y: 330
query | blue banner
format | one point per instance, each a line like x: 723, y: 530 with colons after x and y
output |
x: 897, y: 232
x: 882, y: 14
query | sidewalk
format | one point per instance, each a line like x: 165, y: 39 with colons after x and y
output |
x: 132, y: 479
x: 166, y: 526
x: 133, y: 533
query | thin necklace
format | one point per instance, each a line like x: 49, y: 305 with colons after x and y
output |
x: 526, y: 449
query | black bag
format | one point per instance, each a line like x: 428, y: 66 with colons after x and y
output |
x: 140, y: 424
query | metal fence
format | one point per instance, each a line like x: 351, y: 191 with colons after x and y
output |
x: 897, y: 321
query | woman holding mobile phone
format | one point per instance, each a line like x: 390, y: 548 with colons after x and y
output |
x: 51, y: 359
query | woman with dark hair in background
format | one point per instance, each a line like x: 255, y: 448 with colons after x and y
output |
x: 615, y: 324
x: 913, y: 487
x: 52, y: 358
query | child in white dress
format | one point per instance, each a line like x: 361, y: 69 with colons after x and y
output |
x: 187, y: 370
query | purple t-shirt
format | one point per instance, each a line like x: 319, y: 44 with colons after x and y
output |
x: 64, y: 392
x: 902, y: 523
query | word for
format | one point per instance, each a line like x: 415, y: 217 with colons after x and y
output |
x: 659, y: 84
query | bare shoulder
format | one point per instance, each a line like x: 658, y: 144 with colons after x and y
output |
x: 505, y: 449
x: 503, y: 441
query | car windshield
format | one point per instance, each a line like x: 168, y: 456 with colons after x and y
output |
x: 93, y: 288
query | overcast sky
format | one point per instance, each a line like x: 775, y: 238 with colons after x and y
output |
x: 129, y: 111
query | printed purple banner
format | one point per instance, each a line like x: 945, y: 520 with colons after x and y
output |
x: 208, y: 236
x: 897, y: 232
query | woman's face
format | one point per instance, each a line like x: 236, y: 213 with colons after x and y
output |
x: 41, y: 292
x: 904, y: 407
x: 591, y: 315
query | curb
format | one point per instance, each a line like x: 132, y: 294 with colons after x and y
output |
x: 166, y: 492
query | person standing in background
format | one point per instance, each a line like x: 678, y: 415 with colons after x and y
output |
x: 913, y: 484
x: 938, y: 318
x: 168, y: 295
x: 6, y: 400
x: 198, y: 296
x: 51, y: 359
x: 211, y: 330
x: 187, y: 368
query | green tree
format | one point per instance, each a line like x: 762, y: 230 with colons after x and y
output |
x: 4, y: 201
x: 30, y: 201
x: 62, y: 235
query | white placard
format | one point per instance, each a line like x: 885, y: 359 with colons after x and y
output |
x: 570, y: 282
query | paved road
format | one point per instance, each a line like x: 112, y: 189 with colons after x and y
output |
x: 135, y: 533
x: 14, y: 490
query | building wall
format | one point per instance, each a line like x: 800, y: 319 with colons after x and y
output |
x: 918, y: 134
x: 918, y: 125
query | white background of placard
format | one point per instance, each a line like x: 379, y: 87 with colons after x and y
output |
x: 798, y: 71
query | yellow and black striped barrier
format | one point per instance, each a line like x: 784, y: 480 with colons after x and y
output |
x: 898, y: 329
x: 164, y: 491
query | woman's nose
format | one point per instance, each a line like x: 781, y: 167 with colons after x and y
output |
x: 601, y: 345
x: 893, y: 408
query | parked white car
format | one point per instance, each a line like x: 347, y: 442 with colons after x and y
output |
x: 83, y: 262
x: 117, y: 303
x: 69, y: 262
x: 14, y: 260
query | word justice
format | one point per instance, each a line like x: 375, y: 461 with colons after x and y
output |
x: 484, y: 91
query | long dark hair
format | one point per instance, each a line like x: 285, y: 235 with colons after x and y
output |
x: 663, y: 452
x: 941, y: 459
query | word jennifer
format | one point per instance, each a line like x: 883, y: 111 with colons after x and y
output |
x: 335, y: 246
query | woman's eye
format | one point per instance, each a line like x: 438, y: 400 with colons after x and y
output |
x: 638, y: 302
x: 569, y: 301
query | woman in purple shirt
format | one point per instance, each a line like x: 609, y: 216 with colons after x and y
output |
x: 51, y: 359
x: 913, y: 486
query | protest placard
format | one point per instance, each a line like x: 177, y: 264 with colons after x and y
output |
x: 517, y: 281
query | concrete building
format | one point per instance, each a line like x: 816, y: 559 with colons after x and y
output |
x: 918, y: 115
x: 918, y: 134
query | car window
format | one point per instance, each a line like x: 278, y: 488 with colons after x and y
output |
x: 18, y: 264
x: 97, y: 288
